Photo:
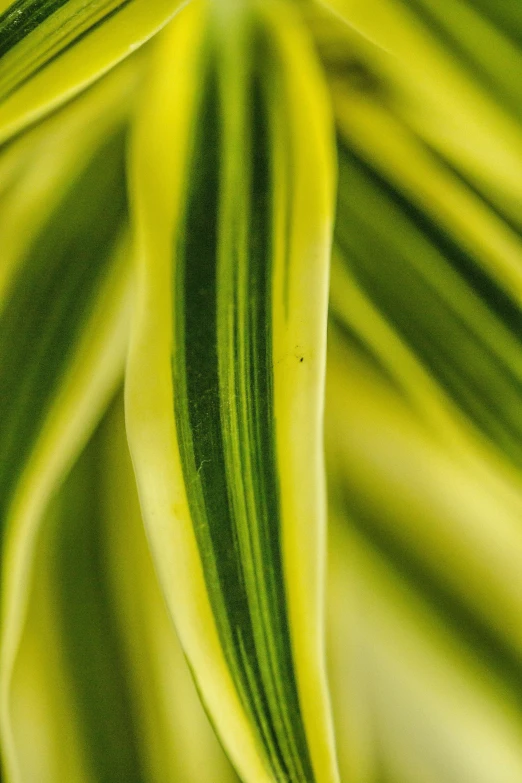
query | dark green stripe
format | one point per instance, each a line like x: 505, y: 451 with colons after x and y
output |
x: 201, y: 411
x: 481, y: 381
x: 481, y: 190
x: 92, y: 650
x: 49, y: 302
x: 504, y: 14
x: 22, y: 17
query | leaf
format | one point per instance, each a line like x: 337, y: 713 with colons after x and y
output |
x: 420, y: 705
x: 63, y: 334
x: 52, y: 49
x: 176, y: 740
x: 232, y: 184
x: 98, y: 660
x: 425, y: 589
x: 461, y: 322
x: 459, y: 117
x: 428, y: 208
x: 444, y: 514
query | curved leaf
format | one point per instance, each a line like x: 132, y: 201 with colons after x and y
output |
x: 98, y: 661
x: 66, y: 306
x: 52, y: 49
x: 233, y: 190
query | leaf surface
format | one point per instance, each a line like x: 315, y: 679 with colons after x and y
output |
x: 233, y: 184
x: 63, y: 333
x: 52, y: 49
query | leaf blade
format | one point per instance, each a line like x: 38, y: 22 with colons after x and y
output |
x: 216, y: 473
x: 50, y: 51
x: 51, y: 405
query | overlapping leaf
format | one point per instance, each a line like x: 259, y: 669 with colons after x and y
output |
x: 98, y: 661
x: 232, y: 184
x: 63, y: 332
x: 425, y: 378
x: 52, y: 49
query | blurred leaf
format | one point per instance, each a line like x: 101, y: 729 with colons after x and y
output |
x: 65, y: 307
x: 233, y: 190
x: 463, y: 325
x: 432, y: 235
x: 422, y: 706
x: 98, y: 660
x: 423, y: 438
x: 449, y: 519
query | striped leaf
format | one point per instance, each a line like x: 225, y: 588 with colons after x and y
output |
x: 413, y: 703
x: 426, y: 282
x: 174, y: 737
x: 232, y: 186
x: 52, y: 49
x: 65, y: 305
x: 423, y: 433
x: 69, y: 677
x: 98, y: 660
x: 456, y: 113
x: 448, y: 518
x: 426, y: 557
x: 429, y: 199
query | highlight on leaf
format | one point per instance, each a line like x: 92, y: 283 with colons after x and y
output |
x: 98, y: 660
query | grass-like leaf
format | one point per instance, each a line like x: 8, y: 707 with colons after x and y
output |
x: 50, y: 403
x: 52, y: 49
x: 234, y: 210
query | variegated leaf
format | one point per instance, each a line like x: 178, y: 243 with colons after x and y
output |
x: 233, y: 183
x: 52, y: 49
x: 63, y: 333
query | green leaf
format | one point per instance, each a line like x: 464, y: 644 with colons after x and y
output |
x: 428, y: 208
x: 423, y: 427
x: 176, y: 741
x: 52, y: 49
x: 454, y: 112
x: 412, y: 702
x: 232, y: 184
x: 98, y: 660
x: 65, y: 306
x: 436, y: 296
x: 445, y: 512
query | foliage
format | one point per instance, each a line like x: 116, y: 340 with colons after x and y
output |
x: 191, y: 194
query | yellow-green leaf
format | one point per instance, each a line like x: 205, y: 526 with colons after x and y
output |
x: 52, y: 49
x: 445, y: 512
x: 437, y: 297
x: 98, y: 661
x: 413, y: 703
x: 233, y: 189
x: 63, y: 332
